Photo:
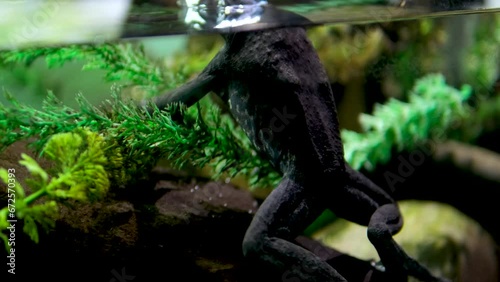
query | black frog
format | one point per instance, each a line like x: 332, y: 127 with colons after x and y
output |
x: 279, y: 93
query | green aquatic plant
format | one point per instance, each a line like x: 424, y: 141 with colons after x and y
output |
x: 202, y: 137
x: 79, y: 173
x: 433, y: 107
x: 126, y: 63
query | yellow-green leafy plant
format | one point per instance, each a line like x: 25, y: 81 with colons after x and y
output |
x: 80, y: 172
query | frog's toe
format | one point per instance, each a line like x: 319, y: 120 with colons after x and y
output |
x: 377, y: 265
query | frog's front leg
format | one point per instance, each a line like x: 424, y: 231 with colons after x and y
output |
x: 285, y: 213
x: 210, y: 79
x: 189, y: 93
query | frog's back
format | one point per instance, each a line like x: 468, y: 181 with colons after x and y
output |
x: 280, y: 95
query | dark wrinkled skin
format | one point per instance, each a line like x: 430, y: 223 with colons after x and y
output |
x: 279, y: 93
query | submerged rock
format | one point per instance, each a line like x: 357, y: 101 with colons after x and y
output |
x: 437, y: 235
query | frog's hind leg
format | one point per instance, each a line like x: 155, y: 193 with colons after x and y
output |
x: 365, y: 203
x: 384, y: 223
x: 285, y: 213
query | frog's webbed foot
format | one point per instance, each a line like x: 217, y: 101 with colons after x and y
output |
x: 285, y: 213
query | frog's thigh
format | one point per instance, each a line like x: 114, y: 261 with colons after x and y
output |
x: 359, y: 200
x: 286, y: 212
x: 353, y: 205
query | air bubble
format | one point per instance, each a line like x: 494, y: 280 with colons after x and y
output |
x: 220, y: 195
x: 196, y: 187
x: 225, y: 204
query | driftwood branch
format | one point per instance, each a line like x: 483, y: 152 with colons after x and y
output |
x: 477, y: 160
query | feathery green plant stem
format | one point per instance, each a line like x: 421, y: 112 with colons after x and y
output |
x: 35, y: 196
